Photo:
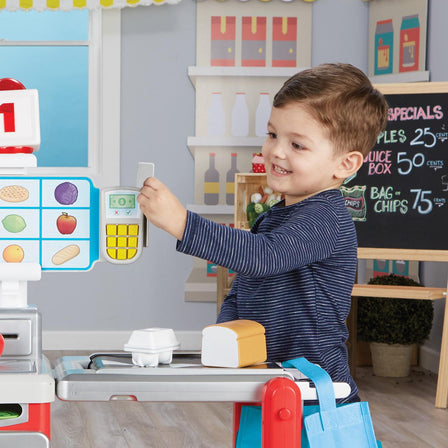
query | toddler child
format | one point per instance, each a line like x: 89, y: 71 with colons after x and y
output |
x: 296, y: 267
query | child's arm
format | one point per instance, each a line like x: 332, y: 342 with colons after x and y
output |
x: 298, y: 242
x: 162, y: 208
x: 290, y: 245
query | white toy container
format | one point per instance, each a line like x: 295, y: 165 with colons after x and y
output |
x: 151, y: 346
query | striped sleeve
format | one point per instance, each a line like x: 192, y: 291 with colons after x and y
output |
x: 299, y: 241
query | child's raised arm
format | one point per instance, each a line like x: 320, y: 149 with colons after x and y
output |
x: 298, y: 242
x: 162, y: 208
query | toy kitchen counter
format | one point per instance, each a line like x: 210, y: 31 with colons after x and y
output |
x: 112, y: 376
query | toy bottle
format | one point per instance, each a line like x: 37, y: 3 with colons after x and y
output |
x: 230, y: 180
x: 216, y: 116
x: 262, y: 115
x: 211, y: 183
x: 240, y: 116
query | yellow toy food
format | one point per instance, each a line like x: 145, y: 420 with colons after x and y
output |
x: 13, y: 254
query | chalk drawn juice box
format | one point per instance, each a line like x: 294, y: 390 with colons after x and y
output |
x: 253, y: 45
x: 284, y: 41
x: 384, y: 47
x: 223, y: 41
x: 409, y: 43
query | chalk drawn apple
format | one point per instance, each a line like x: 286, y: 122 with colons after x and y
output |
x: 66, y: 223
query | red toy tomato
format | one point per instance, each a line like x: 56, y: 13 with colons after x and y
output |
x: 66, y: 223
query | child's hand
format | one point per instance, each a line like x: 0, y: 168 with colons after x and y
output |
x: 162, y: 208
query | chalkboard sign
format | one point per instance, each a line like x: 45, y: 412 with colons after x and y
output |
x: 399, y: 197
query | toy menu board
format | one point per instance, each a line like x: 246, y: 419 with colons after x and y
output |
x: 48, y: 220
x: 399, y: 197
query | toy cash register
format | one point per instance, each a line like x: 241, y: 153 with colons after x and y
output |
x: 47, y: 223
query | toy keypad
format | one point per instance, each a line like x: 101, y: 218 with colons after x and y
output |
x: 122, y: 241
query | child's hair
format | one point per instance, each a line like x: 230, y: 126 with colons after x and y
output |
x: 343, y: 100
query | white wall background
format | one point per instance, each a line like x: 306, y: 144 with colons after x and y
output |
x: 157, y: 115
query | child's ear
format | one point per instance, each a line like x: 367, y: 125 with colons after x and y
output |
x: 350, y: 163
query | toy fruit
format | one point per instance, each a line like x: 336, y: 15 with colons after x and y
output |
x: 13, y: 223
x: 66, y: 193
x: 66, y: 223
x: 13, y: 254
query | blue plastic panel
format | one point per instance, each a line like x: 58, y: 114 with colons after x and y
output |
x: 49, y: 220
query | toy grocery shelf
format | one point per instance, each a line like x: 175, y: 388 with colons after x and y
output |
x: 211, y: 209
x: 282, y: 72
x: 399, y: 292
x: 251, y: 143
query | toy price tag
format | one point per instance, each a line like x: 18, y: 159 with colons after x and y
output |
x: 19, y: 118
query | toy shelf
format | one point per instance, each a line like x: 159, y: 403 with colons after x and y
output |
x: 201, y: 72
x: 246, y: 184
x: 225, y: 142
x: 211, y: 209
x: 398, y: 292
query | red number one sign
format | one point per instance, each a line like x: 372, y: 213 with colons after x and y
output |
x: 7, y: 110
x: 19, y: 118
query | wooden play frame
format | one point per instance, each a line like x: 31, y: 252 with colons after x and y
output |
x: 404, y: 292
x: 407, y: 292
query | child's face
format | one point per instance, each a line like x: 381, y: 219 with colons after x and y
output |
x: 299, y: 158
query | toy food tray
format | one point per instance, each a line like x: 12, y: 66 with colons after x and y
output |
x: 52, y: 221
x: 112, y: 376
